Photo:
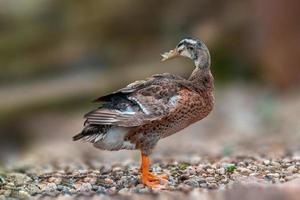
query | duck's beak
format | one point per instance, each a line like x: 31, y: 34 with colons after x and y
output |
x: 169, y: 55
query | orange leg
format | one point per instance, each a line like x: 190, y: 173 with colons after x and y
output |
x: 148, y: 178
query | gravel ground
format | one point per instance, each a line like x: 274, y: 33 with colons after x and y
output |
x: 94, y: 178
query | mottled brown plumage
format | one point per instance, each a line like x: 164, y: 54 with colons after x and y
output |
x: 137, y: 116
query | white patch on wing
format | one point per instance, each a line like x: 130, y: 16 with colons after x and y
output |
x: 129, y: 111
x: 173, y: 100
x: 141, y: 106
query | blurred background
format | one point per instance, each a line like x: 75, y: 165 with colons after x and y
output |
x: 56, y: 56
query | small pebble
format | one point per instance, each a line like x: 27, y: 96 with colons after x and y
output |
x: 221, y: 171
x: 212, y: 185
x: 292, y: 169
x: 108, y: 181
x: 203, y: 185
x: 101, y: 190
x: 191, y: 170
x: 51, y: 187
x: 192, y: 182
x: 209, y: 179
x: 210, y: 171
x: 244, y: 171
x: 86, y: 187
x: 111, y: 191
x: 266, y: 162
x: 124, y: 191
x: 184, y: 187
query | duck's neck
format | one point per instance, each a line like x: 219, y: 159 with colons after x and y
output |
x: 202, y: 79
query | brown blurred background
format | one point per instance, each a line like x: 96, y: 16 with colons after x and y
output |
x: 56, y: 56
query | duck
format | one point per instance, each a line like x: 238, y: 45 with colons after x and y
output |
x: 137, y: 116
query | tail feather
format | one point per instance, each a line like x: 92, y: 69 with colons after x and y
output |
x: 92, y: 133
x: 78, y: 136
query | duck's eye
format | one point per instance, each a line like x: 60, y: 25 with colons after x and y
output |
x: 190, y: 48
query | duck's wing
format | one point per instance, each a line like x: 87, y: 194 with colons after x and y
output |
x: 140, y: 102
x: 140, y: 84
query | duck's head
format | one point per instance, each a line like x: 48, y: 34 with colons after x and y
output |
x: 191, y: 48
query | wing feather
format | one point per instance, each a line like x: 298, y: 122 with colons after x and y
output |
x: 149, y: 99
